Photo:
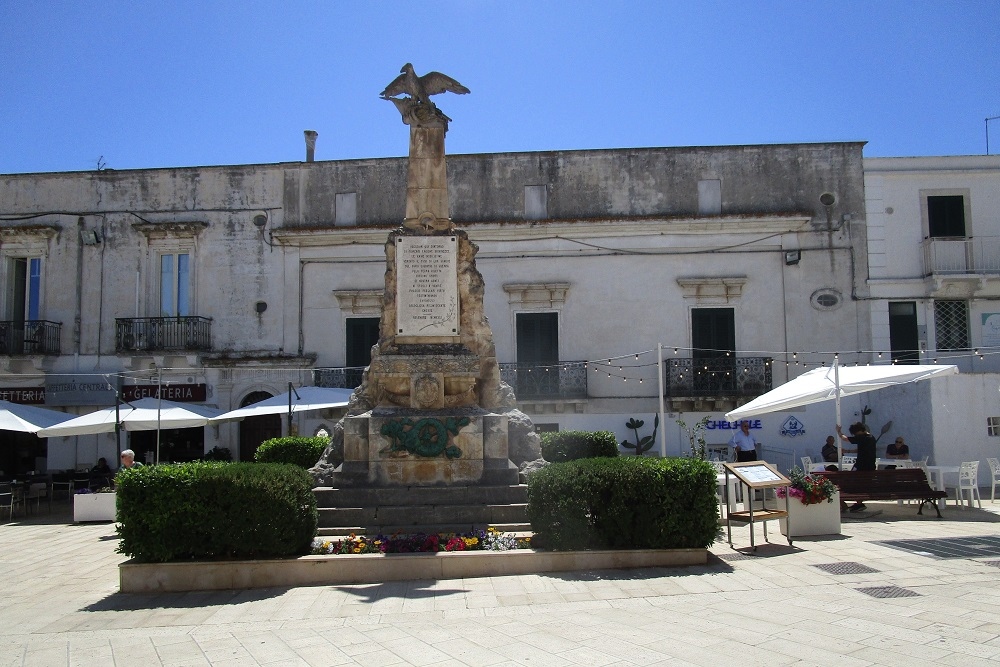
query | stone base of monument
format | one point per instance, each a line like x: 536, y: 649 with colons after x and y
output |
x: 422, y: 509
x: 404, y: 447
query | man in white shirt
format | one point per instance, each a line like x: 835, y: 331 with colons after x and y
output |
x: 744, y: 443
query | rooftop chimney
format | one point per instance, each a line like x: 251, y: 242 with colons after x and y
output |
x: 311, y: 144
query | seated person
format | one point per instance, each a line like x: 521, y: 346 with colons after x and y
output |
x: 897, y: 450
x: 829, y: 453
x: 102, y: 467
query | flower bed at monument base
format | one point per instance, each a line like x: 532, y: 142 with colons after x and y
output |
x: 185, y: 576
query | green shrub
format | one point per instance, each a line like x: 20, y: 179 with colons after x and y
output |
x: 629, y: 502
x: 563, y: 446
x: 215, y: 510
x: 303, y: 452
x: 218, y: 454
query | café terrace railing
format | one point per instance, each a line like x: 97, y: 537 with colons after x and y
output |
x: 30, y: 337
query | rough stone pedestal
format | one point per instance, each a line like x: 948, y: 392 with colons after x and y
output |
x: 478, y: 451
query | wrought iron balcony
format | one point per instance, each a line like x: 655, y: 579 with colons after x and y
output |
x: 30, y: 337
x: 138, y: 334
x: 725, y: 377
x: 338, y: 378
x: 567, y: 379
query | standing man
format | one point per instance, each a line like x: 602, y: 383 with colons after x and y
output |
x: 745, y: 444
x: 128, y: 460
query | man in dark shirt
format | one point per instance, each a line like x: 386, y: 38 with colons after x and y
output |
x: 864, y: 446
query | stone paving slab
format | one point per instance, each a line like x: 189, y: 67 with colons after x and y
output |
x: 62, y: 607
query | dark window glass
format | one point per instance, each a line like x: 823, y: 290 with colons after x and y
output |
x: 946, y: 215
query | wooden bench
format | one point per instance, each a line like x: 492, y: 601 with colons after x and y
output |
x: 897, y: 484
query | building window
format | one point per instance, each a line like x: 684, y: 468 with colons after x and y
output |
x: 951, y: 325
x: 945, y: 215
x: 175, y: 285
x: 710, y: 197
x: 903, y: 333
x: 825, y: 299
x: 347, y: 209
x: 537, y: 354
x: 25, y: 289
x: 361, y: 334
x: 536, y: 202
x: 993, y: 426
x: 713, y: 339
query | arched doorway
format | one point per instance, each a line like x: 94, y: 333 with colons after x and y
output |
x: 255, y: 430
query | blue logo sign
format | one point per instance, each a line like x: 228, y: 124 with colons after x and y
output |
x: 792, y: 427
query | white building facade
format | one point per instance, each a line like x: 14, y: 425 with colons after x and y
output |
x: 745, y: 265
x: 934, y: 297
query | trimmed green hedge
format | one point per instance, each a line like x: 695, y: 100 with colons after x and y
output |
x: 629, y: 502
x: 204, y: 510
x: 300, y: 451
x: 561, y: 446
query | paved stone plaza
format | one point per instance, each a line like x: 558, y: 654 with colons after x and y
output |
x: 61, y: 607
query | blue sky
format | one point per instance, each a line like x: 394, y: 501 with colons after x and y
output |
x: 169, y: 84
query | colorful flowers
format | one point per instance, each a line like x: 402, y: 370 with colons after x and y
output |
x: 808, y: 489
x: 482, y: 540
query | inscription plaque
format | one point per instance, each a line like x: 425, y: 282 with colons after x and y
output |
x: 426, y: 286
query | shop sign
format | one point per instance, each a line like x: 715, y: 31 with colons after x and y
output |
x: 792, y: 427
x: 178, y: 393
x: 732, y: 426
x: 23, y: 395
x: 78, y: 390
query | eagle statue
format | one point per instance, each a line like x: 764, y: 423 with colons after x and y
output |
x: 416, y: 105
x: 420, y: 88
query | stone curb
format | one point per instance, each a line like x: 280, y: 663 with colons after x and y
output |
x: 149, y: 578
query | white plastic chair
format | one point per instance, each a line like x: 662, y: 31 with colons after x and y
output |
x: 847, y: 461
x: 807, y: 463
x: 968, y: 480
x: 994, y: 477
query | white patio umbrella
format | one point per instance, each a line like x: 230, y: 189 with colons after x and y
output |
x: 28, y: 418
x: 146, y: 414
x: 833, y: 383
x: 294, y: 400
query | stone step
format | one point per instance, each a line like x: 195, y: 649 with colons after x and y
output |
x: 421, y: 495
x: 518, y: 529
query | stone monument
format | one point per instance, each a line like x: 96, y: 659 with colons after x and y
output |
x: 431, y: 409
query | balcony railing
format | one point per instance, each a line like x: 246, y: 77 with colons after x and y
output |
x: 726, y: 377
x: 567, y: 379
x: 977, y: 255
x: 30, y: 337
x: 137, y: 334
x: 338, y: 378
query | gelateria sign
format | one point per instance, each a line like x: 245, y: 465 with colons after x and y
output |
x: 178, y: 393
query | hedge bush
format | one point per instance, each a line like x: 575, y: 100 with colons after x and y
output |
x: 563, y: 446
x: 629, y: 502
x: 203, y: 510
x: 300, y: 451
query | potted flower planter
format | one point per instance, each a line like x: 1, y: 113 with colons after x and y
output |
x: 816, y: 519
x: 94, y: 506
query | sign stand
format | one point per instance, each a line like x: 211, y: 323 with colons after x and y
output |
x: 755, y: 475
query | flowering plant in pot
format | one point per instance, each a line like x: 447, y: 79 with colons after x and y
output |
x: 808, y: 489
